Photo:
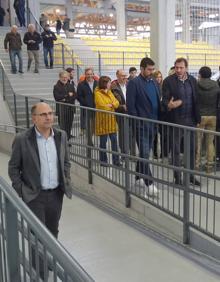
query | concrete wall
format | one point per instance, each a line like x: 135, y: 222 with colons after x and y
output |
x: 114, y: 198
x: 5, y: 114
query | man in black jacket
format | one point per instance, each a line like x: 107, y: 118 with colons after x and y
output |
x: 64, y: 92
x: 48, y: 37
x: 32, y: 39
x: 119, y: 87
x: 12, y: 44
x: 85, y: 95
x: 179, y: 97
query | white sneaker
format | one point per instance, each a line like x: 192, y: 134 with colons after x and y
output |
x: 140, y: 183
x: 151, y: 191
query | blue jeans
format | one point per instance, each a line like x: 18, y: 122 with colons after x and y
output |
x: 145, y: 133
x: 114, y: 145
x: 13, y: 54
x: 46, y: 52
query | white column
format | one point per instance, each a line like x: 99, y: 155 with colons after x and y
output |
x: 121, y: 19
x: 186, y: 21
x: 69, y: 10
x: 34, y: 7
x: 12, y: 12
x: 162, y: 40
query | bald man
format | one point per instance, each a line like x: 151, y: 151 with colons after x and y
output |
x: 39, y: 167
x: 119, y: 88
x: 12, y: 44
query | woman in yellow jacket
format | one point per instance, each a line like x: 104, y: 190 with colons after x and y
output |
x: 105, y: 123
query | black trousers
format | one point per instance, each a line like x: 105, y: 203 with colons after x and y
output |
x: 177, y: 141
x: 47, y: 207
x: 65, y: 118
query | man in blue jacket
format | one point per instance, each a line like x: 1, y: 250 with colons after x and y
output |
x: 143, y: 101
x: 48, y: 37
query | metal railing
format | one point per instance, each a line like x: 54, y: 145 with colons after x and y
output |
x: 195, y: 206
x: 64, y: 57
x: 122, y: 162
x: 24, y: 239
x: 104, y: 60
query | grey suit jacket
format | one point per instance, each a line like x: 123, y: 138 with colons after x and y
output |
x: 24, y: 165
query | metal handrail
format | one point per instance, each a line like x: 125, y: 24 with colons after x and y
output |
x: 88, y: 159
x: 74, y: 270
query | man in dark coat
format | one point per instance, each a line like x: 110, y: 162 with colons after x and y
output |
x: 48, y: 37
x: 179, y: 98
x: 119, y: 88
x: 85, y: 96
x: 39, y: 169
x: 65, y: 93
x: 32, y: 39
x: 12, y: 44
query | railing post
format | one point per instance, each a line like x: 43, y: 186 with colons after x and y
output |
x: 123, y: 60
x: 3, y: 84
x: 205, y: 58
x: 126, y: 136
x: 100, y: 63
x: 63, y: 59
x: 187, y: 57
x: 73, y: 62
x: 186, y: 184
x: 27, y: 112
x: 15, y: 110
x: 77, y: 72
x: 11, y: 223
x: 28, y: 14
x: 89, y: 121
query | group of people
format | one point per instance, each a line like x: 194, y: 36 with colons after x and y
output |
x: 33, y: 39
x: 39, y: 166
x: 65, y: 26
x: 179, y: 99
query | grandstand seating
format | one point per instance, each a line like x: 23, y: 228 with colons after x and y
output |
x: 114, y: 52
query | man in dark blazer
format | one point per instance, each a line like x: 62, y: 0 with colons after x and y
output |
x: 179, y: 98
x: 143, y: 100
x: 27, y: 161
x: 39, y: 169
x: 85, y: 96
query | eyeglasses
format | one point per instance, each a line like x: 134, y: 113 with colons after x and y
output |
x: 45, y: 114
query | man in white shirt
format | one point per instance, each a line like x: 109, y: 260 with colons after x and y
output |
x: 118, y: 88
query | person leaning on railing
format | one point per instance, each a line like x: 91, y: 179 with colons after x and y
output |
x: 105, y: 124
x: 64, y: 92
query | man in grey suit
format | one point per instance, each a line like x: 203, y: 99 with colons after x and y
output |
x: 40, y: 168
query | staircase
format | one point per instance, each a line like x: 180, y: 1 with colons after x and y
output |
x: 27, y: 84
